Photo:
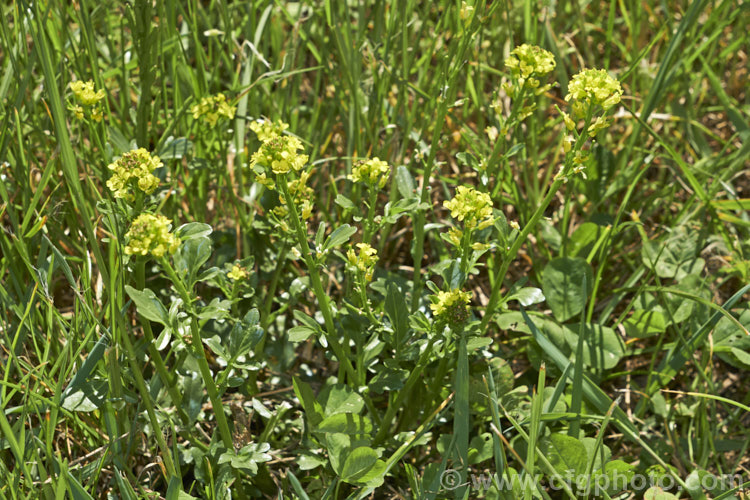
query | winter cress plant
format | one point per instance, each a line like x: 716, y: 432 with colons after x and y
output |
x: 370, y: 251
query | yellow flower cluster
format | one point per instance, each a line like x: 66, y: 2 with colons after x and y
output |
x: 237, y: 273
x: 211, y: 108
x: 266, y: 129
x: 472, y: 207
x: 591, y: 88
x: 280, y: 154
x: 452, y: 306
x: 528, y: 62
x: 84, y: 92
x: 373, y: 171
x: 133, y: 168
x: 149, y: 234
x: 365, y: 260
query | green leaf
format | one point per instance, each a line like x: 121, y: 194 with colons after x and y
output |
x: 191, y: 255
x: 404, y: 182
x: 373, y: 478
x: 313, y: 409
x: 82, y: 375
x: 565, y: 453
x: 656, y: 493
x: 300, y: 333
x: 248, y: 458
x: 397, y: 312
x: 339, y: 236
x: 345, y: 423
x: 90, y: 396
x: 614, y: 477
x: 642, y: 324
x: 148, y: 305
x: 480, y: 448
x: 344, y: 202
x: 175, y: 492
x: 602, y: 347
x: 562, y: 281
x: 583, y: 239
x: 245, y: 334
x: 193, y: 230
x: 340, y: 398
x: 677, y: 257
x: 357, y: 463
x: 175, y: 149
x: 528, y: 296
x: 77, y: 491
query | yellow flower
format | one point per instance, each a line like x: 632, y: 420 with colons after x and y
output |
x: 77, y: 111
x: 280, y: 155
x: 265, y: 181
x: 452, y: 306
x: 237, y: 273
x: 365, y: 260
x: 569, y: 123
x: 266, y: 129
x: 134, y: 168
x: 591, y: 88
x: 84, y: 92
x: 471, y: 207
x: 211, y: 108
x: 149, y: 234
x: 454, y: 236
x: 372, y: 172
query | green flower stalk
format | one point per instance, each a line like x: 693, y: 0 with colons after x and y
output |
x: 149, y: 234
x: 590, y: 92
x: 267, y: 130
x: 134, y: 171
x: 211, y: 109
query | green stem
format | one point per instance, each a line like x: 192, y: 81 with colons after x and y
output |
x: 200, y: 355
x: 511, y: 255
x: 538, y: 213
x: 146, y: 398
x: 369, y: 229
x: 461, y: 418
x: 161, y: 370
x: 317, y: 284
x: 144, y: 45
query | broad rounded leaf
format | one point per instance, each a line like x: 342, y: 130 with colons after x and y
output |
x: 563, y: 286
x: 148, y: 305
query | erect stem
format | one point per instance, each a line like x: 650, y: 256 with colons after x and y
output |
x: 200, y: 355
x: 146, y: 398
x: 161, y: 369
x: 507, y: 258
x: 312, y: 268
